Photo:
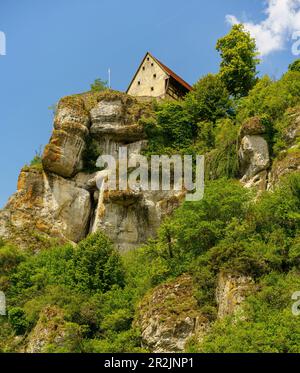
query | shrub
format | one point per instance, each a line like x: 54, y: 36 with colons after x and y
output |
x: 99, y: 85
x: 209, y: 100
x: 17, y: 318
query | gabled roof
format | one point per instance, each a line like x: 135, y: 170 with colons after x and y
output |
x: 166, y: 70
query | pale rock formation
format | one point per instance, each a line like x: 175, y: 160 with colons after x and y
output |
x: 254, y: 154
x: 63, y: 153
x: 129, y: 218
x: 48, y: 204
x: 170, y: 315
x: 231, y: 291
x: 62, y: 199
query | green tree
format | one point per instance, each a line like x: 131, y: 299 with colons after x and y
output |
x: 295, y: 66
x: 97, y: 265
x: 17, y: 318
x: 209, y: 100
x: 99, y: 85
x: 238, y: 65
x: 171, y: 129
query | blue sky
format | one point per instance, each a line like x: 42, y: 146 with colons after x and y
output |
x: 58, y: 47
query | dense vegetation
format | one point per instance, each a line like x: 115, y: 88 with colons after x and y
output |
x: 228, y: 230
x: 98, y: 290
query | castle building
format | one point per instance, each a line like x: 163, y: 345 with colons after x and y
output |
x: 154, y: 79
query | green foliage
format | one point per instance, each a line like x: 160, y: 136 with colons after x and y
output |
x: 99, y: 85
x: 90, y: 155
x: 270, y: 326
x: 93, y: 265
x: 36, y: 162
x: 98, y: 291
x: 295, y: 66
x: 209, y: 100
x: 272, y: 98
x: 10, y: 257
x: 171, y: 130
x: 223, y: 161
x: 197, y: 227
x: 17, y: 318
x: 272, y: 101
x: 126, y: 341
x: 97, y: 264
x: 238, y: 66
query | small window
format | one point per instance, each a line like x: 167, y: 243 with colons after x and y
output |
x: 143, y: 67
x: 152, y: 64
x: 154, y: 76
x: 148, y: 58
x: 139, y: 82
x: 152, y: 88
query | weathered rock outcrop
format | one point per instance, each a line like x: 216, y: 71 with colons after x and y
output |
x: 286, y: 163
x: 46, y: 203
x: 254, y: 154
x: 170, y: 315
x: 63, y: 153
x: 288, y: 160
x: 231, y: 292
x: 50, y: 331
x: 61, y: 197
x: 256, y: 168
x: 292, y: 132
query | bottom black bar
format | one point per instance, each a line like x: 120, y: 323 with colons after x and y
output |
x: 136, y: 362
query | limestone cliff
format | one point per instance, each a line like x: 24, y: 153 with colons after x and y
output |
x: 169, y: 316
x: 60, y: 198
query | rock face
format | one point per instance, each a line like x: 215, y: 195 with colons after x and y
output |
x: 231, y: 292
x: 292, y: 132
x: 62, y: 155
x: 254, y: 155
x: 170, y: 315
x: 51, y: 330
x: 130, y: 218
x: 255, y: 166
x: 48, y: 204
x: 288, y: 160
x: 287, y: 163
x: 61, y: 198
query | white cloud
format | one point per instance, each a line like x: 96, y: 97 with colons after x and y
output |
x: 282, y: 20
